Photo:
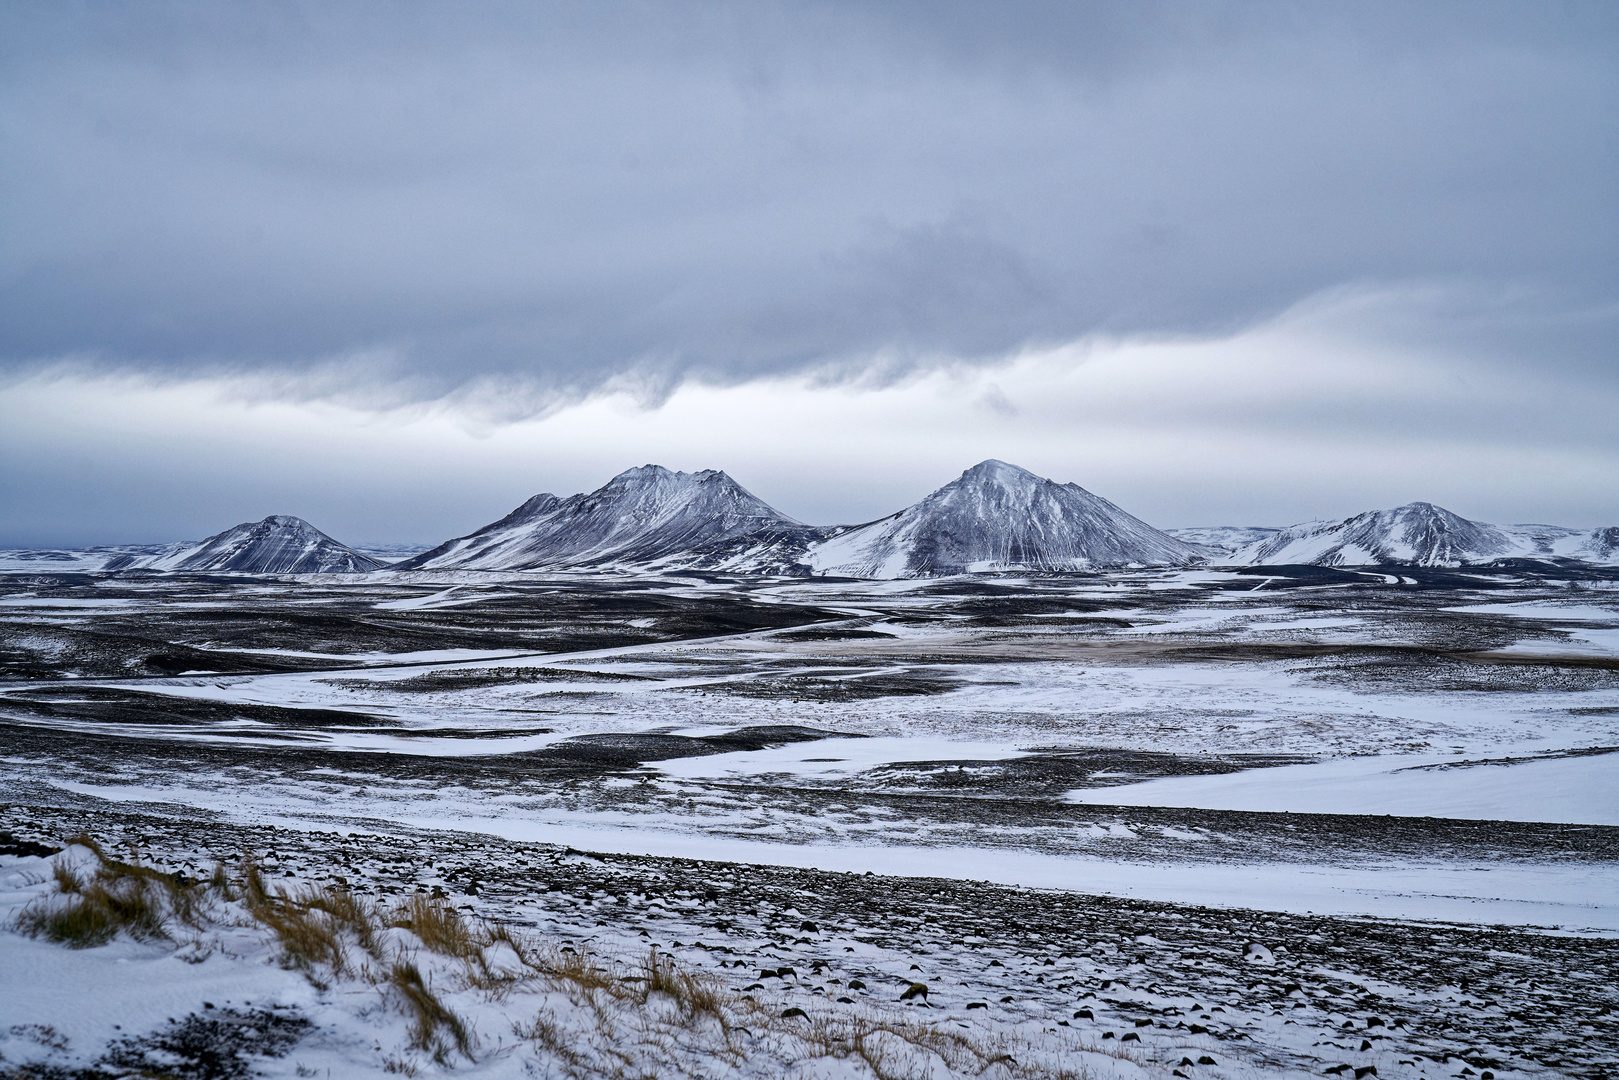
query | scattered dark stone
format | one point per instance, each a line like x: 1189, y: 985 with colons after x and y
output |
x: 788, y: 1014
x: 1207, y: 1060
x: 208, y: 1048
x: 1365, y: 1070
x: 10, y: 845
x: 1130, y: 1036
x: 856, y: 984
x: 1084, y: 1014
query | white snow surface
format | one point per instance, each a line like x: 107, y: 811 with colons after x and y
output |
x: 1577, y: 789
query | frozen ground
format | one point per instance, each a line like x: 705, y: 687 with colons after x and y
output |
x: 1133, y: 776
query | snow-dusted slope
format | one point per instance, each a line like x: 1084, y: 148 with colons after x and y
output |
x: 77, y: 560
x: 277, y: 545
x: 998, y: 517
x: 1422, y: 534
x: 1224, y: 538
x: 1598, y: 545
x: 648, y: 516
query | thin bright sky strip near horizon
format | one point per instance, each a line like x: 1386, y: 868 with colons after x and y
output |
x: 395, y: 268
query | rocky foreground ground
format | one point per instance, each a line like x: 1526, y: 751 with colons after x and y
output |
x: 1156, y: 987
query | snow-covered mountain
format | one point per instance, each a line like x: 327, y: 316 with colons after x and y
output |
x: 998, y: 517
x: 277, y: 545
x: 1422, y: 534
x: 1224, y: 538
x: 645, y: 517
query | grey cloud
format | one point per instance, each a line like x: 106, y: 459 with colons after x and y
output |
x: 552, y: 197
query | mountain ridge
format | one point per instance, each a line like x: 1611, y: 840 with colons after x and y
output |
x: 645, y: 516
x: 994, y: 517
x: 1423, y: 534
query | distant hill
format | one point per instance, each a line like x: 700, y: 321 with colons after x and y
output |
x: 1422, y: 534
x: 997, y: 516
x: 644, y: 517
x: 277, y: 545
x: 1224, y: 538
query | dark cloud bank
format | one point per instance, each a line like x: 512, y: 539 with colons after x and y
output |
x: 387, y: 201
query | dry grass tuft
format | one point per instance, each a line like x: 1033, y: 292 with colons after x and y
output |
x: 96, y: 914
x: 545, y: 1032
x: 118, y: 897
x: 66, y: 880
x: 431, y: 1020
x: 576, y: 974
x: 439, y: 926
x: 309, y: 938
x: 312, y: 924
x: 695, y: 995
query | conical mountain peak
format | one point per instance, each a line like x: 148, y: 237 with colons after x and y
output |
x: 643, y: 516
x: 1416, y: 534
x: 996, y: 471
x: 997, y: 516
x: 278, y: 544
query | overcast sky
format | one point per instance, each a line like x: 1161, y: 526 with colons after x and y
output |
x: 396, y: 267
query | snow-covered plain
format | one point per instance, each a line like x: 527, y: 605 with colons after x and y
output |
x: 1412, y: 751
x: 1582, y: 789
